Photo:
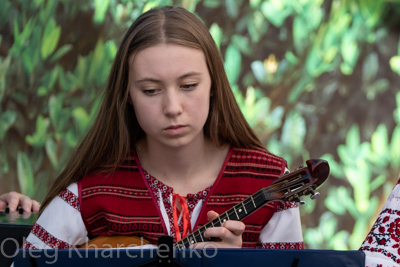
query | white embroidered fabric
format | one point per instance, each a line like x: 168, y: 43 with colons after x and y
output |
x: 382, y: 244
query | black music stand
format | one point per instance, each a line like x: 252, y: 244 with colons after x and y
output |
x: 165, y: 258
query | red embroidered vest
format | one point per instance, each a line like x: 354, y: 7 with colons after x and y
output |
x: 121, y: 203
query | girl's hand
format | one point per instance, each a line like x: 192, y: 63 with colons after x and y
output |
x: 13, y: 200
x: 229, y: 234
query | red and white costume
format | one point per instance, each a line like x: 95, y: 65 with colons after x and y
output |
x: 382, y: 245
x: 132, y: 202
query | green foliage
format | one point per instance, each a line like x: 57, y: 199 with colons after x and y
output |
x: 314, y: 79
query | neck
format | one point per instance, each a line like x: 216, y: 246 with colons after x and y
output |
x: 187, y: 169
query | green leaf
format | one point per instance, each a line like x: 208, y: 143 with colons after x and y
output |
x: 394, y: 148
x: 39, y: 137
x: 100, y: 9
x: 294, y: 131
x: 71, y: 138
x: 378, y: 182
x: 328, y: 225
x: 59, y: 117
x: 275, y: 11
x: 7, y: 119
x: 232, y: 7
x: 216, y: 33
x: 50, y: 38
x: 299, y: 88
x: 61, y: 52
x: 233, y: 62
x: 380, y: 146
x: 359, y: 176
x: 51, y: 151
x: 257, y: 26
x: 332, y: 203
x: 4, y: 66
x: 25, y: 174
x: 340, y: 241
x: 396, y: 112
x: 82, y: 118
x: 395, y: 64
x: 211, y: 3
x: 300, y: 34
x: 350, y: 52
x: 259, y: 71
x: 242, y: 43
x: 96, y: 63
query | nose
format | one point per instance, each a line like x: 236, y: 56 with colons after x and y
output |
x: 172, y: 103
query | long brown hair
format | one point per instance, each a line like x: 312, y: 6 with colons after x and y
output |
x: 116, y: 129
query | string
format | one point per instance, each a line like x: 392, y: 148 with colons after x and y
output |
x: 199, y: 231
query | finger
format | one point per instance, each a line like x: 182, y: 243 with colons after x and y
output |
x: 12, y: 199
x: 217, y: 232
x: 212, y: 215
x: 35, y: 206
x: 3, y: 205
x: 236, y: 227
x: 26, y: 203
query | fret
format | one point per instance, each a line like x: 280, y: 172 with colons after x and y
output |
x: 227, y: 216
x: 244, y: 207
x: 236, y: 213
x: 200, y: 235
x: 253, y: 202
x: 186, y: 242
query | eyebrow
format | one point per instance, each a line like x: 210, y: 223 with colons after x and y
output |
x: 186, y: 75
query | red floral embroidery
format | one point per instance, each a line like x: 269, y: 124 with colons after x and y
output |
x: 28, y: 245
x: 47, y: 238
x: 282, y: 245
x: 166, y: 192
x: 384, y: 236
x: 70, y: 198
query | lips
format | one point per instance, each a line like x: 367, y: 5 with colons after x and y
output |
x: 175, y: 129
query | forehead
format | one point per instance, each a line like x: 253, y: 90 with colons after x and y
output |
x: 166, y: 60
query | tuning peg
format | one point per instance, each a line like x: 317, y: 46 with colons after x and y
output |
x: 297, y: 199
x: 298, y: 168
x: 314, y: 195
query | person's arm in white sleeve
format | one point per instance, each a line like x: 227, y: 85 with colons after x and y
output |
x: 60, y: 225
x: 283, y: 230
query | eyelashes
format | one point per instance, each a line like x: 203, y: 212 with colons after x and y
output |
x: 186, y: 87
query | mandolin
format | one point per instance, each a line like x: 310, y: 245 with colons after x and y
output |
x: 289, y: 187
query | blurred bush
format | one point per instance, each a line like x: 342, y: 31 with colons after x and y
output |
x: 314, y: 78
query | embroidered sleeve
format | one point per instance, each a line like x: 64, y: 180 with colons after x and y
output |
x: 60, y: 225
x: 382, y: 244
x: 283, y: 230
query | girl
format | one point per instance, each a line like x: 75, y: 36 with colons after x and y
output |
x: 168, y: 151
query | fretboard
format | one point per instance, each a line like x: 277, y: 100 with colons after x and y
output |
x: 236, y: 213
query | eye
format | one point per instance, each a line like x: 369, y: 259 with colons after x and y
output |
x: 150, y: 91
x: 189, y: 86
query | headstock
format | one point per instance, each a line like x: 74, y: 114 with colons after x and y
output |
x: 302, y: 181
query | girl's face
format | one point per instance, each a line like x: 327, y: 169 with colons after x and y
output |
x: 170, y: 89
